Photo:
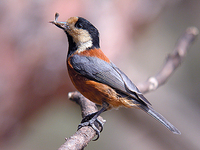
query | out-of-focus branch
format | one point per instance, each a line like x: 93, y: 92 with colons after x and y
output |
x: 173, y: 60
x: 85, y: 134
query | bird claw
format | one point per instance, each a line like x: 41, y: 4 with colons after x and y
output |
x: 95, y: 123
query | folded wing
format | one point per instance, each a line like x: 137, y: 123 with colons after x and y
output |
x: 106, y: 73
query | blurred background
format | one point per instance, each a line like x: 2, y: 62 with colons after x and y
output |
x: 136, y: 35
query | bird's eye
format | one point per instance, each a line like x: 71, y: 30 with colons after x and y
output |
x: 79, y: 25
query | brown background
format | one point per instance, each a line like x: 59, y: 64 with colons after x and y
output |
x: 136, y: 35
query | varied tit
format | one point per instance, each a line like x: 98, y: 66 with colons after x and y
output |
x: 97, y: 78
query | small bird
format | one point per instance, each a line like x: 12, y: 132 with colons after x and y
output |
x: 97, y: 78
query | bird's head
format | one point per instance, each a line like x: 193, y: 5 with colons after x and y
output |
x: 79, y: 31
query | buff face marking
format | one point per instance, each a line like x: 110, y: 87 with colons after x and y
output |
x: 80, y: 36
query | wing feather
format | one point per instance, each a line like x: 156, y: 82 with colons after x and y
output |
x: 107, y: 73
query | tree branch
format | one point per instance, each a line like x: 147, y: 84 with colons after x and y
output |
x: 85, y: 134
x: 173, y: 61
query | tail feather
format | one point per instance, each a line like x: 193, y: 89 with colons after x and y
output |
x: 160, y: 118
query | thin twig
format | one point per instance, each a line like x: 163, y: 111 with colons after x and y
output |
x: 85, y: 134
x: 173, y: 61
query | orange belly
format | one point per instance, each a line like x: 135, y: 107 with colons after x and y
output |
x: 95, y: 91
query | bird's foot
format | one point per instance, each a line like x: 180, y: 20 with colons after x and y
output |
x: 94, y: 122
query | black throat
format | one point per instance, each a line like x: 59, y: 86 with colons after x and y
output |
x: 72, y: 45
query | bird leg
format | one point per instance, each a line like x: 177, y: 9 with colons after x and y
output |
x: 93, y: 121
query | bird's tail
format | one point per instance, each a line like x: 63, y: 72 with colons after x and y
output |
x: 160, y: 118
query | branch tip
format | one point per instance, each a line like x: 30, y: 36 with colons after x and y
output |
x: 193, y: 30
x: 153, y: 83
x: 70, y: 95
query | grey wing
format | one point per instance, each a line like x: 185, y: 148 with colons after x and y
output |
x: 96, y: 69
x: 130, y: 86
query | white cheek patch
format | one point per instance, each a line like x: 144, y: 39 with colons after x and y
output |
x: 81, y: 37
x: 84, y: 46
